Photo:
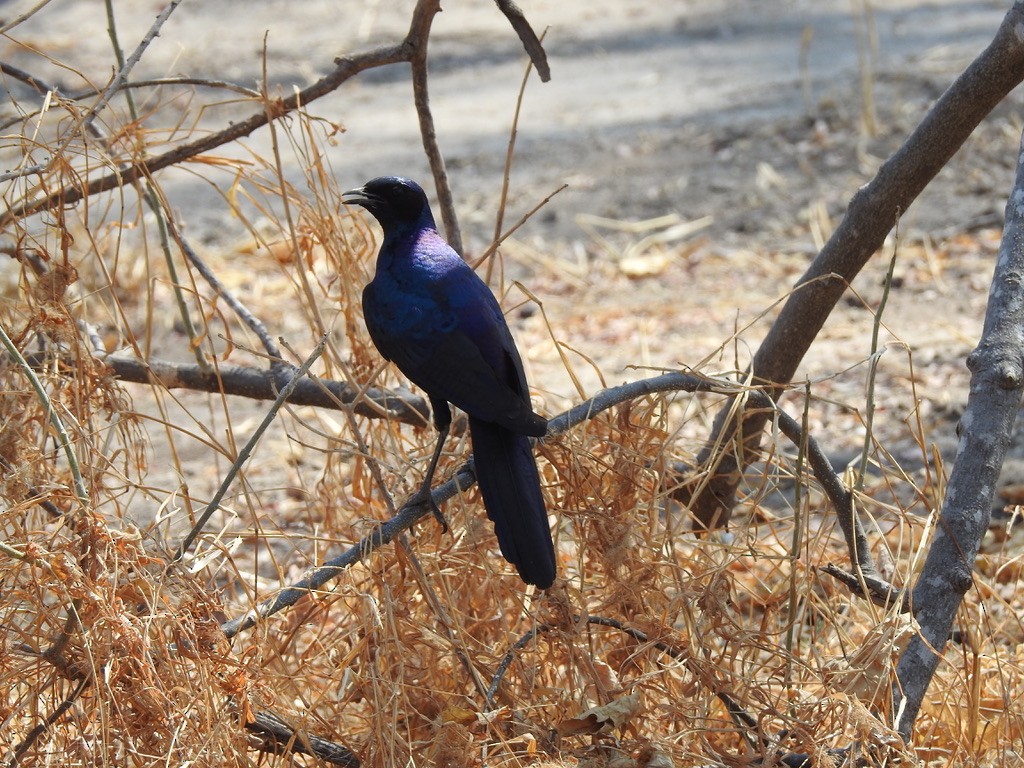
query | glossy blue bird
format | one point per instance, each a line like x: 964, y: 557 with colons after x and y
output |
x: 433, y: 317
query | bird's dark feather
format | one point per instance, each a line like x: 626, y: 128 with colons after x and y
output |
x: 509, y: 482
x: 431, y: 315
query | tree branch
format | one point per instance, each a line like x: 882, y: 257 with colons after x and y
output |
x: 131, y: 61
x: 428, y: 133
x: 345, y: 68
x: 261, y: 384
x: 251, y: 321
x: 277, y: 736
x: 529, y: 38
x: 872, y: 213
x: 997, y: 383
x: 464, y: 477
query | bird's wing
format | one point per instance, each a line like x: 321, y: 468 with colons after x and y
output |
x: 451, y: 366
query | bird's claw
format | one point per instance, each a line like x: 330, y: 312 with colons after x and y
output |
x: 439, y: 517
x: 424, y: 497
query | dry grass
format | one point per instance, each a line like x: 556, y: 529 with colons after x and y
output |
x: 395, y: 659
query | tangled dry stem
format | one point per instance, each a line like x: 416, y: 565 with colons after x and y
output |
x: 728, y: 649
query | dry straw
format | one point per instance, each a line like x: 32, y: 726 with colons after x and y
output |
x: 654, y: 648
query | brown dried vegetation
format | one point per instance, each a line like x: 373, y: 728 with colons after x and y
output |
x: 430, y: 651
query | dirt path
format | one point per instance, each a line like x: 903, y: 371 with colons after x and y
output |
x: 651, y: 109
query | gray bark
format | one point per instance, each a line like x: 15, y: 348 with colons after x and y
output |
x: 997, y: 381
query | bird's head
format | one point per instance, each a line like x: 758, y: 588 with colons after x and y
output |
x: 393, y: 201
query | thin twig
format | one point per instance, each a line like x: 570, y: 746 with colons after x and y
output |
x: 12, y: 552
x: 797, y: 540
x: 244, y: 314
x: 508, y: 233
x: 203, y: 82
x: 129, y: 63
x: 28, y: 170
x: 422, y: 19
x: 5, y: 28
x: 38, y: 84
x: 875, y: 355
x: 247, y: 449
x: 42, y: 87
x: 499, y: 218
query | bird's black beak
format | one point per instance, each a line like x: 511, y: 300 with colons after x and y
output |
x: 355, y: 197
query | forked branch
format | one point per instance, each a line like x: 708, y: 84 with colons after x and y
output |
x: 872, y: 213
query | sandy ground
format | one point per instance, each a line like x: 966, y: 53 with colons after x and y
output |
x: 650, y: 110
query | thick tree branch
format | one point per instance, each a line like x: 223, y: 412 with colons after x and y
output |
x: 997, y: 383
x: 872, y: 213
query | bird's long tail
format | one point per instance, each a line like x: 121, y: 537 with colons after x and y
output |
x: 507, y: 474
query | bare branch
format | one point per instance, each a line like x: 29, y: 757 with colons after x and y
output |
x: 261, y: 384
x: 465, y: 476
x: 203, y: 82
x: 29, y: 170
x: 277, y: 737
x: 7, y: 26
x: 345, y: 68
x: 40, y: 86
x: 871, y: 587
x: 531, y: 42
x: 122, y: 73
x: 254, y: 323
x: 872, y: 213
x: 420, y: 33
x: 997, y: 384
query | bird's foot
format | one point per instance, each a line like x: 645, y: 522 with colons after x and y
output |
x: 423, y: 497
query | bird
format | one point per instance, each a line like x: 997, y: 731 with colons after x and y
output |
x: 430, y: 314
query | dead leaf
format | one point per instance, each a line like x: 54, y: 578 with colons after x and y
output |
x: 615, y: 714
